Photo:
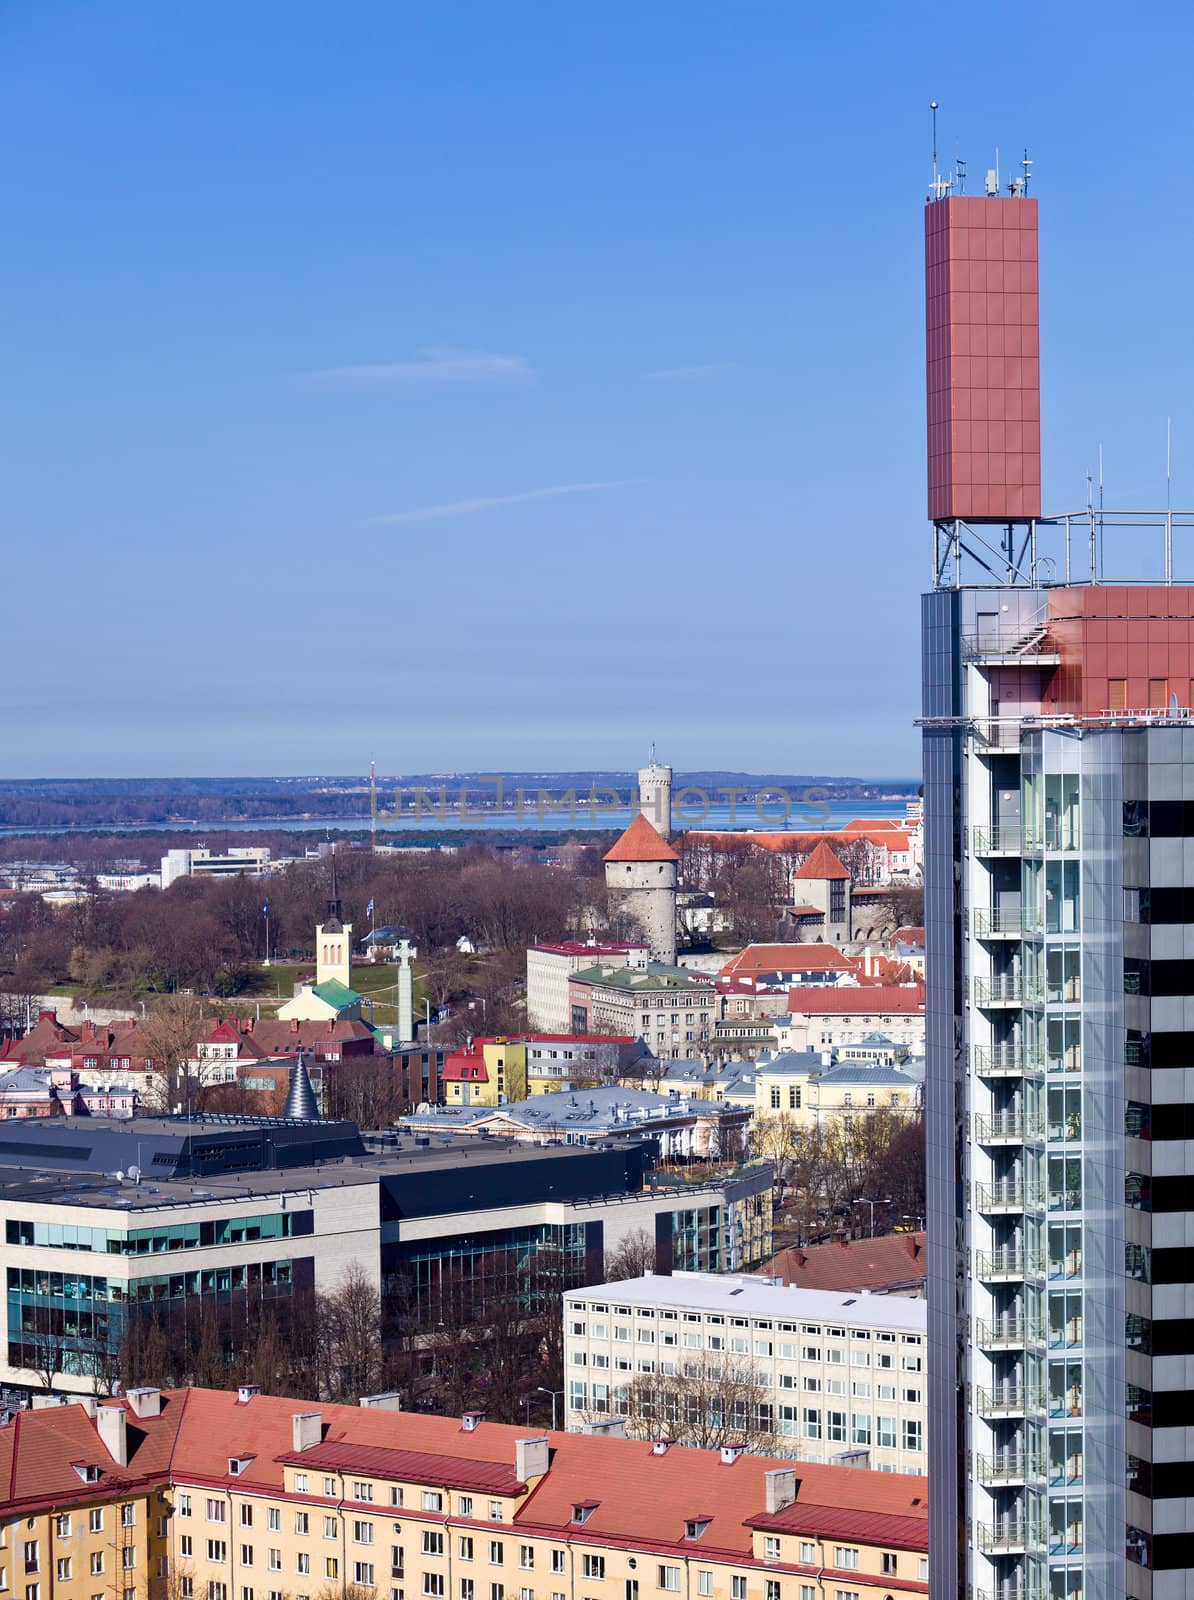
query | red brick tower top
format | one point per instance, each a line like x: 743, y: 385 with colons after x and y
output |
x: 983, y: 359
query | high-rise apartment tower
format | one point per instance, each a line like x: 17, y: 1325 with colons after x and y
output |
x: 1059, y: 878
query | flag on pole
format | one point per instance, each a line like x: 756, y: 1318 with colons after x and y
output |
x: 265, y: 909
x: 369, y: 909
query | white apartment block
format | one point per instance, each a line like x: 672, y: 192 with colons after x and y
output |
x: 249, y: 861
x: 842, y: 1376
x: 549, y: 966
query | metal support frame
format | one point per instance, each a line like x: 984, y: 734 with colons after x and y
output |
x: 1013, y: 556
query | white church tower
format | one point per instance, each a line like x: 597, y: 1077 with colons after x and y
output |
x: 333, y: 942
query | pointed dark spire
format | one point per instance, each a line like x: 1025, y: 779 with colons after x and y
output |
x: 334, y: 920
x: 300, y: 1100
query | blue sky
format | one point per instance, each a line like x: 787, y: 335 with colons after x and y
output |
x: 510, y: 385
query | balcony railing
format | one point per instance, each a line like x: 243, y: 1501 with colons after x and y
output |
x: 1007, y: 1194
x: 1010, y: 1400
x: 1010, y: 1263
x: 1007, y: 1537
x: 1068, y: 1060
x: 1010, y: 1467
x: 1054, y: 835
x: 998, y: 922
x: 1004, y: 1126
x: 995, y: 840
x: 1007, y: 1333
x: 1005, y: 1061
x: 1007, y: 989
x: 1067, y: 1334
x: 1030, y: 642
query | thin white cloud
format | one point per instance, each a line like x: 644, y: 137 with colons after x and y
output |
x: 436, y: 365
x: 465, y: 508
x: 682, y: 374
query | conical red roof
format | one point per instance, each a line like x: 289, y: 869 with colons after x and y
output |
x: 821, y: 864
x: 641, y: 842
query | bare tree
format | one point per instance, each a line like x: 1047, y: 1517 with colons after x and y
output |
x: 708, y: 1404
x: 775, y: 1137
x: 631, y: 1257
x: 169, y: 1034
x: 350, y: 1321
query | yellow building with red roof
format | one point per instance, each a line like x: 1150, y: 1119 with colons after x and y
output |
x: 199, y: 1494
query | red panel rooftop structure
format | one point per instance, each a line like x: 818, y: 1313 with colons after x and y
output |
x: 983, y: 354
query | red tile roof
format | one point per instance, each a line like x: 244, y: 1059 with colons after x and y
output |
x: 638, y: 1497
x: 833, y: 1522
x: 641, y: 842
x: 908, y: 935
x: 787, y: 958
x: 897, y: 1259
x: 578, y: 947
x: 849, y: 999
x: 821, y: 864
x: 641, y: 1496
x: 416, y: 1466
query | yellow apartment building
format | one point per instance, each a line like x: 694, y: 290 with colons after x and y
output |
x: 241, y: 1496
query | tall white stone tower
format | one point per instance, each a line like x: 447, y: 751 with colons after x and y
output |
x: 640, y: 871
x: 406, y: 989
x: 655, y: 795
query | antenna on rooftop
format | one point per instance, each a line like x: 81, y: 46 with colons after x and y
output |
x: 1027, y: 169
x: 940, y: 186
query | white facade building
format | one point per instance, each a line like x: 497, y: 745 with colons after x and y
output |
x: 248, y: 861
x: 549, y: 966
x: 842, y: 1376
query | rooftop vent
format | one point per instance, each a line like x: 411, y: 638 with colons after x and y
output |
x: 731, y: 1452
x: 662, y: 1446
x: 472, y: 1420
x: 245, y: 1392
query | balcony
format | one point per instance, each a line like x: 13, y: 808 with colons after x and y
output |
x: 1006, y: 1333
x: 1000, y: 1266
x: 1056, y: 834
x: 998, y: 922
x: 1009, y: 1401
x: 1010, y: 1538
x: 997, y: 736
x: 1013, y: 1591
x: 1007, y: 1194
x: 1005, y: 1061
x: 1009, y: 1467
x: 1009, y: 1127
x: 995, y: 840
x: 1029, y: 644
x: 1007, y: 989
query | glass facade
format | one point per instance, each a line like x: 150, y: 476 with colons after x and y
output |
x: 70, y: 1320
x: 154, y: 1241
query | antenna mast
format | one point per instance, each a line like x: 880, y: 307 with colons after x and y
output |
x: 372, y: 807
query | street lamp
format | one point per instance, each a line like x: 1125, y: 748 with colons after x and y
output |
x: 863, y: 1201
x: 552, y: 1393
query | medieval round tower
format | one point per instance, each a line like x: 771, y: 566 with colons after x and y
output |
x: 640, y: 870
